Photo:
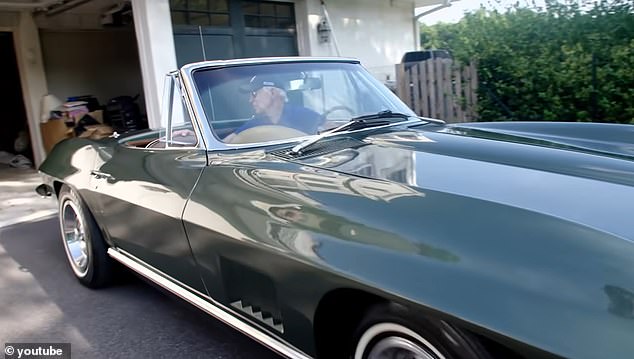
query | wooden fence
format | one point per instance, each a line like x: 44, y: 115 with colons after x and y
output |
x: 439, y: 88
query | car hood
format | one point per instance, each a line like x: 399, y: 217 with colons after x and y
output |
x: 583, y: 179
x: 601, y: 139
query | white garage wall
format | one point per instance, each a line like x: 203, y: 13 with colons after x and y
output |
x: 377, y: 32
x: 103, y: 63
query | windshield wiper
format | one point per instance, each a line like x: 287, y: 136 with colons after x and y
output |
x: 360, y: 122
x: 390, y: 114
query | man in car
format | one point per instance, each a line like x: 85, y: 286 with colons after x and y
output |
x: 270, y: 106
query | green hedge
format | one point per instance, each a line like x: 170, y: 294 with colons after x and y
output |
x: 561, y: 63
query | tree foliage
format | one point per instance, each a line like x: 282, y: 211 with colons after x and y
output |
x: 564, y: 62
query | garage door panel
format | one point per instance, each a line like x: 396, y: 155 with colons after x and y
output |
x: 250, y: 29
x: 217, y: 47
x: 269, y: 46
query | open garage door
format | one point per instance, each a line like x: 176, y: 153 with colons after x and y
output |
x: 91, y: 62
x: 226, y: 29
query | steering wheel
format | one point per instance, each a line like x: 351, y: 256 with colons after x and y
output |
x: 265, y: 133
x: 337, y: 108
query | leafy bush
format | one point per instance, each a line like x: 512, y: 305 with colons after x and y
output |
x: 560, y: 63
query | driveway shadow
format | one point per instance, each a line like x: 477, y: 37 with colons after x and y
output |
x: 40, y: 301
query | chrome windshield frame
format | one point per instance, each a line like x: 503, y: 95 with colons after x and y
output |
x: 210, y: 140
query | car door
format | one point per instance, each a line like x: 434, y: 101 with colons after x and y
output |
x: 230, y: 235
x: 143, y: 191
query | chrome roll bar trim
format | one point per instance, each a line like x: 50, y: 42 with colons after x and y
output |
x: 205, y: 303
x: 198, y: 113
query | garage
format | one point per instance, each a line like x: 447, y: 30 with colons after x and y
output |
x: 82, y: 57
x: 90, y: 54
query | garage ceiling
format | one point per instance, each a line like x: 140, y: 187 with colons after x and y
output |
x: 74, y: 14
x: 59, y: 6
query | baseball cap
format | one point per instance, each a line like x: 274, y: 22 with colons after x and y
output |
x: 258, y: 81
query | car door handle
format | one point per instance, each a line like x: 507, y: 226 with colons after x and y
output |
x: 100, y: 175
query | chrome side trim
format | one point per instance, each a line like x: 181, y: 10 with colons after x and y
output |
x: 214, y: 309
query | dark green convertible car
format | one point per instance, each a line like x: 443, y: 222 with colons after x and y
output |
x: 302, y: 203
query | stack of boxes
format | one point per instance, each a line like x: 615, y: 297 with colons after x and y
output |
x: 71, y: 119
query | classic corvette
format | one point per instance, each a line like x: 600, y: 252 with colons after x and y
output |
x: 301, y: 202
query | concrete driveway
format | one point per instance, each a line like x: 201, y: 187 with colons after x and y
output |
x: 18, y: 200
x: 40, y: 301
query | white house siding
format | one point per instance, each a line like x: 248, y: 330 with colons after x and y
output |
x: 377, y: 32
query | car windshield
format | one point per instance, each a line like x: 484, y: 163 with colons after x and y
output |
x: 260, y: 103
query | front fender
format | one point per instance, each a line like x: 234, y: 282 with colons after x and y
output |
x: 71, y: 162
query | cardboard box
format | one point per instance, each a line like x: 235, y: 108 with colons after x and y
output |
x: 97, y: 132
x: 97, y: 115
x: 54, y: 131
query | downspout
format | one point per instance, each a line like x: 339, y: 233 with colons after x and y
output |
x: 332, y: 28
x: 445, y: 4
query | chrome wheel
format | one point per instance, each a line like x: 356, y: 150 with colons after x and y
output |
x: 394, y: 341
x: 75, y: 236
x: 85, y: 248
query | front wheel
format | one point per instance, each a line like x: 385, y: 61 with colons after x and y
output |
x: 389, y: 331
x: 85, y: 248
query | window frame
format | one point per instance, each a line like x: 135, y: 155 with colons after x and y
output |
x: 275, y: 17
x: 187, y: 11
x: 173, y: 85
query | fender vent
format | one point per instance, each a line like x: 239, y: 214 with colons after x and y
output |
x: 320, y: 148
x: 260, y: 316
